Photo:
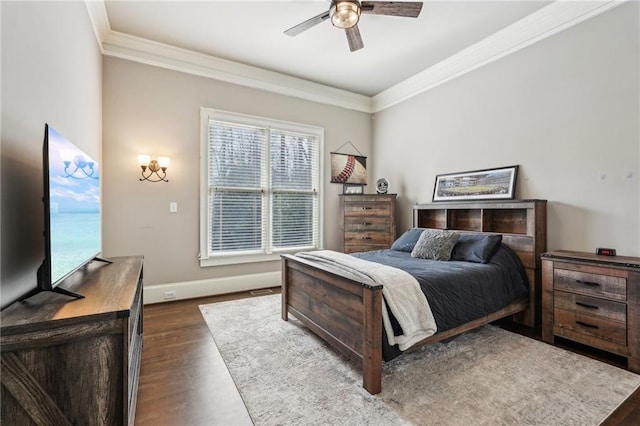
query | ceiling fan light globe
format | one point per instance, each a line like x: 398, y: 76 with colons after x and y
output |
x: 344, y: 14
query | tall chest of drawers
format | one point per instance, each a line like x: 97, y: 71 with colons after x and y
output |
x: 594, y: 300
x: 367, y: 222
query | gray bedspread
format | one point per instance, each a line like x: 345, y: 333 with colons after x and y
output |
x: 458, y: 291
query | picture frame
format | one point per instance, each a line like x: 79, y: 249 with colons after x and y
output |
x: 352, y: 189
x: 487, y: 184
x: 348, y: 168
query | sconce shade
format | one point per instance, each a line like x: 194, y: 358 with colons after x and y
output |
x: 144, y: 159
x: 164, y: 162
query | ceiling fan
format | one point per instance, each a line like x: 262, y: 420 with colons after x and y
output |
x: 346, y: 14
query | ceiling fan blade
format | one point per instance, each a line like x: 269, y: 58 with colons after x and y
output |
x: 354, y: 39
x: 295, y: 30
x: 394, y: 8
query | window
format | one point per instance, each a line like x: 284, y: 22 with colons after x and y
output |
x: 260, y: 188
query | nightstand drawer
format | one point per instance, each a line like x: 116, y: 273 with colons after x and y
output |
x: 594, y: 306
x: 599, y: 285
x: 600, y: 328
x: 365, y: 209
x: 359, y: 224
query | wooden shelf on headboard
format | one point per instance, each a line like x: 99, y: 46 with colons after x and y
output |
x: 522, y: 223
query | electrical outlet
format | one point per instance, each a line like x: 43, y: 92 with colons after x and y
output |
x: 168, y: 295
x: 173, y: 207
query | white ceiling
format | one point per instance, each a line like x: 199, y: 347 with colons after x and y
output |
x: 251, y: 33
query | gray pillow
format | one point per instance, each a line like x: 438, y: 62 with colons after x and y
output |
x: 408, y: 240
x: 435, y: 244
x: 478, y: 248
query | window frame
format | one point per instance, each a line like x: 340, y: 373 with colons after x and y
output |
x: 207, y: 114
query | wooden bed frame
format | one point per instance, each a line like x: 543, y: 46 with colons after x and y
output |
x: 348, y: 314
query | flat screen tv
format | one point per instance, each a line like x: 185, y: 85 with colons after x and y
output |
x: 71, y: 212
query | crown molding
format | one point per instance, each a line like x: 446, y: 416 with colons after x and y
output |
x: 149, y: 52
x: 551, y: 19
x: 99, y: 20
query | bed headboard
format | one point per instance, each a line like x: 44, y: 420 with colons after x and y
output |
x: 522, y: 223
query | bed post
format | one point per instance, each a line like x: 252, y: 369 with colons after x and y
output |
x: 372, y: 340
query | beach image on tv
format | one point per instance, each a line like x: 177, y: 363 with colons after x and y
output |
x: 74, y: 196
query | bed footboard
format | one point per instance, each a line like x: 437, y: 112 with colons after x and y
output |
x: 344, y: 312
x: 347, y: 314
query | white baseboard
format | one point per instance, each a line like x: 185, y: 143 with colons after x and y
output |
x: 210, y: 287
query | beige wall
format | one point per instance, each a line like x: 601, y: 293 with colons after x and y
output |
x: 157, y: 111
x: 51, y: 73
x: 564, y: 109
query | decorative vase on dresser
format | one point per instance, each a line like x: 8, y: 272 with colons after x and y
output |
x: 367, y: 222
x: 593, y: 300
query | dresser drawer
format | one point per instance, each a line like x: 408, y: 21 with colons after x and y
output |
x: 600, y: 285
x: 588, y: 305
x: 367, y: 208
x: 374, y: 223
x: 367, y: 238
x: 587, y: 325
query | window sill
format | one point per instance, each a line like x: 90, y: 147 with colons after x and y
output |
x: 246, y: 258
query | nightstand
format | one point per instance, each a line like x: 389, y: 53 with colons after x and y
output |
x: 593, y: 300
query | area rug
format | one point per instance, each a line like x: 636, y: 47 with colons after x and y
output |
x: 287, y: 376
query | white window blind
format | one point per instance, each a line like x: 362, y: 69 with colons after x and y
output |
x: 237, y: 182
x: 262, y: 180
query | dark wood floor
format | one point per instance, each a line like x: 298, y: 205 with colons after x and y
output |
x: 184, y: 382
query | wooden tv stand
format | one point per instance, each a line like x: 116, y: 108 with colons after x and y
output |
x: 68, y: 361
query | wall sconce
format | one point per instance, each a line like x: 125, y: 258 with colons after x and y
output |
x: 151, y: 168
x: 76, y: 166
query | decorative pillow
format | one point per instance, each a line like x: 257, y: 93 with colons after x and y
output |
x: 408, y: 240
x: 476, y: 248
x: 435, y: 244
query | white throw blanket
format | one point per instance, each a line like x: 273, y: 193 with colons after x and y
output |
x: 401, y: 293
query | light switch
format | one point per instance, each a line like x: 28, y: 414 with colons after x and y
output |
x: 173, y: 207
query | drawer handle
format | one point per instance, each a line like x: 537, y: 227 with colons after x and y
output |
x: 584, y: 324
x: 367, y: 208
x: 366, y: 223
x: 367, y: 238
x: 586, y: 305
x: 589, y: 283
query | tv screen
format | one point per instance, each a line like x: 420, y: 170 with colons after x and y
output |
x: 71, y: 211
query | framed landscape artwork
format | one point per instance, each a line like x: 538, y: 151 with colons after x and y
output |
x: 347, y: 168
x: 490, y: 184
